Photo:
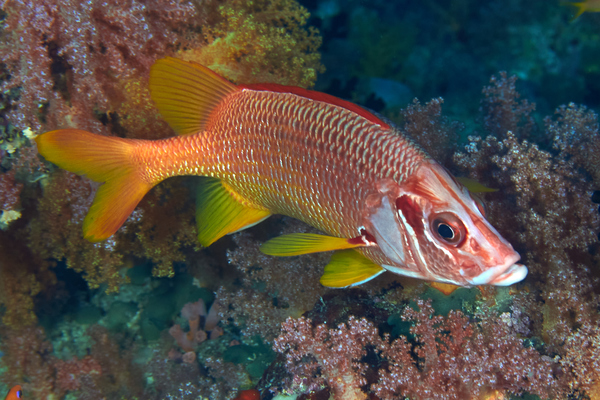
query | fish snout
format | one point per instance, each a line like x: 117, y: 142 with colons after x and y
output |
x: 504, y: 274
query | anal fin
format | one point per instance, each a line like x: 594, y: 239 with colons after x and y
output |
x: 349, y: 268
x: 219, y: 212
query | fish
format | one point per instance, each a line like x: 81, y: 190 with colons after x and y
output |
x: 250, y: 394
x: 15, y: 393
x: 583, y: 6
x: 381, y: 202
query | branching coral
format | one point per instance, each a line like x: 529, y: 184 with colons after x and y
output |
x: 449, y: 358
x: 58, y: 234
x: 268, y: 294
x: 503, y: 111
x: 9, y: 198
x: 544, y: 208
x: 72, y: 56
x: 335, y: 352
x: 433, y: 132
x: 458, y: 359
x: 260, y: 41
x: 575, y: 132
x: 28, y: 358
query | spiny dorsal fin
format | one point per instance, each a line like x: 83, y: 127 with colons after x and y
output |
x: 186, y: 93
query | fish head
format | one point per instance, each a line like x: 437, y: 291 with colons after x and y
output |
x: 430, y: 227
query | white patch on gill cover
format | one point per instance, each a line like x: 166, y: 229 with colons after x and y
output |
x: 386, y: 232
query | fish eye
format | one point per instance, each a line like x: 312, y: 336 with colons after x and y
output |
x: 19, y: 393
x: 445, y: 231
x: 448, y: 228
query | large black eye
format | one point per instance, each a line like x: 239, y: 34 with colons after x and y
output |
x: 445, y: 231
x: 448, y: 228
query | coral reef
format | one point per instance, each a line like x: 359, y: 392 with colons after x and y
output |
x: 268, y: 294
x: 447, y: 358
x: 92, y: 321
x: 71, y: 42
x: 261, y: 41
x: 202, y: 324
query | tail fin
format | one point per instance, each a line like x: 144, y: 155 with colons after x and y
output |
x: 103, y: 159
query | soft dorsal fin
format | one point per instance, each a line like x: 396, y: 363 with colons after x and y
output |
x: 218, y: 212
x: 295, y: 244
x: 186, y: 93
x: 318, y: 96
x: 349, y: 268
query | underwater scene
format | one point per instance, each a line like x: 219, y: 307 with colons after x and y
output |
x: 365, y: 199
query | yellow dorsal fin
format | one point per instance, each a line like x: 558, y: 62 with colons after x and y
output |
x: 474, y: 186
x: 304, y: 243
x: 186, y: 93
x: 219, y: 212
x: 349, y: 268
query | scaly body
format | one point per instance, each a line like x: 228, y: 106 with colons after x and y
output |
x: 280, y: 150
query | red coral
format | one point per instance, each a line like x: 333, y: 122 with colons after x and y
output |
x: 85, y: 50
x: 336, y: 352
x: 69, y: 373
x: 457, y: 359
x: 9, y: 191
x: 449, y: 358
x: 28, y: 359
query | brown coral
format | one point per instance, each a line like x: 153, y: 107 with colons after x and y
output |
x: 260, y: 41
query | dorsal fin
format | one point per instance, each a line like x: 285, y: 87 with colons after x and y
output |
x: 186, y: 93
x: 318, y: 96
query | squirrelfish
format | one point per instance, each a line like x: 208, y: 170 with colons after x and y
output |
x: 265, y: 149
x: 14, y: 393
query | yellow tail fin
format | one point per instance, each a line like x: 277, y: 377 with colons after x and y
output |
x: 103, y: 159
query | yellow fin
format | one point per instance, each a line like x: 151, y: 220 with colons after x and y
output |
x: 304, y: 243
x: 474, y: 186
x: 349, y: 268
x: 103, y: 159
x: 218, y: 212
x: 186, y: 93
x: 446, y: 288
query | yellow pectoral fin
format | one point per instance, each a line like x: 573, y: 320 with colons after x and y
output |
x: 218, y: 212
x: 349, y: 268
x: 304, y: 243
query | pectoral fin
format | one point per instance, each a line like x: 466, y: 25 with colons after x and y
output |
x: 219, y: 212
x: 305, y: 243
x: 349, y: 268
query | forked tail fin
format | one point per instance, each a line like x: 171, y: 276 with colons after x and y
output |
x: 103, y: 159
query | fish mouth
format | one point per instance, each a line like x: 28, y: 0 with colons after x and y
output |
x: 502, y: 275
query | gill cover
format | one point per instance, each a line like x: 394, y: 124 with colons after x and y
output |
x: 430, y: 227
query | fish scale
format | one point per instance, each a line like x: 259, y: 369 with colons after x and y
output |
x: 285, y: 163
x: 272, y: 149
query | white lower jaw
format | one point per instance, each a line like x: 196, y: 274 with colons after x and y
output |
x: 501, y: 275
x: 514, y: 274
